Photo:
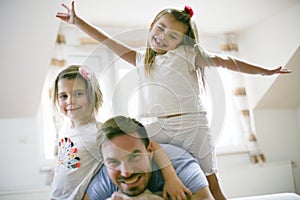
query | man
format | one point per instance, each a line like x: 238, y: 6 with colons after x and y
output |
x: 127, y: 155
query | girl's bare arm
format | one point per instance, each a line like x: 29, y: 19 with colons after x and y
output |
x: 117, y: 47
x: 173, y: 188
x: 238, y: 65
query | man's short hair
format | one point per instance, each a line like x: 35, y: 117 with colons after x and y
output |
x: 121, y: 125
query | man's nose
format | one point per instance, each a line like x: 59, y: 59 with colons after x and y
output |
x: 126, y: 170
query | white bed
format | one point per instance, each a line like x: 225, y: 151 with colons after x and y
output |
x: 43, y: 194
x: 279, y: 196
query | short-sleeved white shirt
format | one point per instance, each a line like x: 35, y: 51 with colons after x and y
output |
x: 79, y: 159
x: 172, y: 86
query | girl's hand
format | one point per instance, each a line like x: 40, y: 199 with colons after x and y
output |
x: 175, y: 190
x: 68, y: 17
x: 278, y: 70
x: 146, y: 195
x: 118, y: 196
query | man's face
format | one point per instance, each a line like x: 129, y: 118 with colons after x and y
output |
x: 128, y: 163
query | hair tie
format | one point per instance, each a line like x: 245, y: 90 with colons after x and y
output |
x: 84, y: 73
x: 189, y: 10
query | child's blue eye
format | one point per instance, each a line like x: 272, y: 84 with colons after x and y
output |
x: 63, y: 96
x: 173, y: 37
x: 77, y: 94
x: 159, y: 28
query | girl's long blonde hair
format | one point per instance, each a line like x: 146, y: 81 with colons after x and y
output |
x: 190, y: 39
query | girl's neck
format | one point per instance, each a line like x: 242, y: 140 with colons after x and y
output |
x: 83, y: 122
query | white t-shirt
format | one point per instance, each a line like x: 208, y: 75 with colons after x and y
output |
x: 78, y: 160
x: 172, y: 87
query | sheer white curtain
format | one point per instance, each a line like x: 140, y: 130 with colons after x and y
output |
x: 238, y: 127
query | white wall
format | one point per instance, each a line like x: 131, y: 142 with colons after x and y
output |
x: 278, y: 136
x: 253, y: 180
x: 270, y: 43
x: 20, y: 153
x: 28, y: 33
x: 297, y: 164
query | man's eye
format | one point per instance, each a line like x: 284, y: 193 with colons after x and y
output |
x: 113, y: 163
x: 135, y: 156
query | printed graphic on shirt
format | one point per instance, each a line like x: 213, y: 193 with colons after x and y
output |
x: 67, y: 154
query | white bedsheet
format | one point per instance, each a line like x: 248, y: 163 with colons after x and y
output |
x: 280, y: 196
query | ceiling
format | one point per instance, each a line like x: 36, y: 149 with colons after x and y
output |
x: 211, y: 16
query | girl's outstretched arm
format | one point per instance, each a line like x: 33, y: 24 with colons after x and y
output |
x: 238, y: 65
x: 117, y: 47
x: 173, y: 187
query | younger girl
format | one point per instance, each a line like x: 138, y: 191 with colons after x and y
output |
x: 77, y: 96
x: 168, y: 77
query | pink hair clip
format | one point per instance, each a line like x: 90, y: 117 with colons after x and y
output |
x: 84, y: 73
x: 189, y: 10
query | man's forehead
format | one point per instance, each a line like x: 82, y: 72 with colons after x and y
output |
x: 126, y: 143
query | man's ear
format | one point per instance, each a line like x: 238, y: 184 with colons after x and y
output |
x: 150, y: 149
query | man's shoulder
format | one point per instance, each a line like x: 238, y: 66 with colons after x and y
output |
x: 176, y: 153
x: 101, y: 187
x: 181, y: 159
x: 187, y: 167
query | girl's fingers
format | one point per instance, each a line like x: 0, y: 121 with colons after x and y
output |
x: 183, y: 196
x: 66, y: 7
x: 285, y: 71
x: 165, y: 196
x: 179, y: 198
x: 61, y: 14
x: 73, y: 5
x: 188, y: 192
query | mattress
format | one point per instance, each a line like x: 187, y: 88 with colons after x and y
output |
x: 279, y: 196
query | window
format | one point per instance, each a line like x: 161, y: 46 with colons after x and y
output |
x: 221, y: 111
x: 231, y: 134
